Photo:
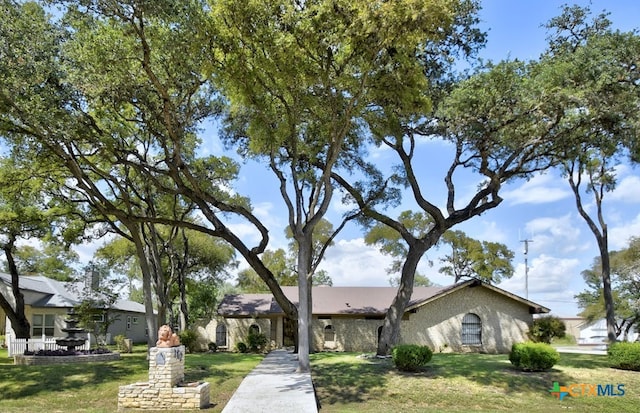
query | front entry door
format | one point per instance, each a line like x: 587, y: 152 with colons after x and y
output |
x: 290, y: 332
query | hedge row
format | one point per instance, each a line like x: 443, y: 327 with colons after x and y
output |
x: 625, y: 356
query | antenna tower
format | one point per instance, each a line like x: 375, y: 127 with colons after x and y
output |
x: 526, y: 267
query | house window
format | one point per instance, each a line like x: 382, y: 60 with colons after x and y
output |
x: 128, y: 322
x: 134, y: 320
x: 254, y: 329
x: 221, y: 335
x: 471, y: 330
x: 98, y: 318
x: 329, y: 333
x: 43, y: 324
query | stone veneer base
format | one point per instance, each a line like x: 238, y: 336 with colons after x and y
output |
x: 165, y: 389
x: 23, y: 360
x: 141, y: 396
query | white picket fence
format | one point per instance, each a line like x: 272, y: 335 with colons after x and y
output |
x: 19, y: 345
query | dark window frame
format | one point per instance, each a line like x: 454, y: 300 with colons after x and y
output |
x: 329, y: 333
x: 471, y: 330
x: 221, y: 335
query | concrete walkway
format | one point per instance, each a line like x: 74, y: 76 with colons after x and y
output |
x: 274, y: 386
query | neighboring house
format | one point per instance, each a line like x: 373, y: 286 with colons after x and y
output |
x: 47, y: 302
x: 468, y: 316
x: 595, y: 333
x: 573, y: 326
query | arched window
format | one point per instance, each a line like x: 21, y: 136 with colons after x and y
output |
x: 471, y: 330
x: 221, y: 335
x: 329, y: 333
x: 254, y: 329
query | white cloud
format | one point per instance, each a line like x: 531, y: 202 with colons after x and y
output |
x: 491, y: 232
x: 627, y: 190
x: 540, y: 189
x: 619, y: 236
x: 353, y: 263
x: 558, y: 234
x: 550, y: 282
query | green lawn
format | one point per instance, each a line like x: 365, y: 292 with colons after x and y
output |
x: 344, y: 383
x: 464, y: 383
x: 94, y: 387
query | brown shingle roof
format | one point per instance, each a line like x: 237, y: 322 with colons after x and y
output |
x: 326, y: 300
x: 364, y: 301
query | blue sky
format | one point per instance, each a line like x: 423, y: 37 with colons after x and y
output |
x: 541, y: 210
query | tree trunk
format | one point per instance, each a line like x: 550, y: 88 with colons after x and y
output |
x: 159, y: 278
x: 606, y: 291
x: 391, y: 326
x: 152, y: 327
x: 20, y: 325
x: 17, y: 316
x: 304, y: 305
x: 602, y: 238
x: 184, y: 309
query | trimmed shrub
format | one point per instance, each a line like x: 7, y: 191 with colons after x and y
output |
x: 533, y: 356
x: 119, y: 340
x: 624, y: 355
x: 241, y: 347
x: 257, y: 342
x: 189, y: 338
x: 411, y: 357
x: 545, y: 329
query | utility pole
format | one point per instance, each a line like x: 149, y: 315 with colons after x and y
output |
x: 526, y: 267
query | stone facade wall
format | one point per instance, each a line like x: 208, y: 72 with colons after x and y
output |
x: 439, y: 323
x: 350, y: 334
x: 165, y: 389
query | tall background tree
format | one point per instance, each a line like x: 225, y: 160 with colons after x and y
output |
x: 305, y: 80
x: 29, y: 213
x: 116, y: 100
x: 592, y: 72
x: 469, y: 258
x: 625, y: 289
x: 497, y: 141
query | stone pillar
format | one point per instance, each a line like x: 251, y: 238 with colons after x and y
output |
x: 166, y: 366
x: 165, y: 389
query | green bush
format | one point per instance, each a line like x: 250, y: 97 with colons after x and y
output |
x: 189, y: 338
x: 213, y: 347
x: 411, y: 357
x: 241, y: 347
x: 544, y: 329
x: 257, y: 342
x: 533, y: 356
x: 119, y: 339
x: 624, y: 355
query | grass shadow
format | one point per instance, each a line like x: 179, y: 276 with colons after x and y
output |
x: 583, y: 361
x: 353, y: 380
x: 493, y: 370
x: 218, y: 367
x: 26, y: 381
x: 349, y: 381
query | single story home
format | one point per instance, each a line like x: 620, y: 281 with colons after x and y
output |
x: 470, y: 316
x: 47, y: 302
